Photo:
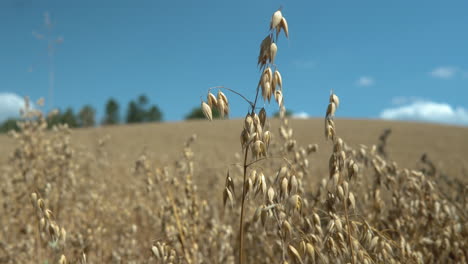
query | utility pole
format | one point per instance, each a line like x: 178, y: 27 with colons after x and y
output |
x: 52, y: 42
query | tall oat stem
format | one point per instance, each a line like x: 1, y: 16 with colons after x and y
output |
x: 349, y: 231
x: 241, y: 226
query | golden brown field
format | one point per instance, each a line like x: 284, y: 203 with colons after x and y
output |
x: 109, y: 213
x: 256, y: 190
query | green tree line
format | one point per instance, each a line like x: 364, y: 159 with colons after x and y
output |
x: 138, y: 110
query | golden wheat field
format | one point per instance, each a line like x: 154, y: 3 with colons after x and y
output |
x: 251, y: 190
x: 113, y: 214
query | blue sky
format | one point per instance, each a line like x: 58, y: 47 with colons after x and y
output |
x: 385, y: 59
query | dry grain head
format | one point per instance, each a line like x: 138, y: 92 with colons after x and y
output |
x: 334, y: 99
x: 273, y: 51
x: 278, y: 79
x: 207, y: 111
x: 264, y: 55
x: 262, y: 115
x: 294, y: 254
x: 63, y: 259
x: 267, y: 138
x: 222, y: 96
x: 284, y: 26
x: 276, y: 19
x: 249, y: 123
x: 211, y: 99
x: 286, y: 229
x: 279, y: 97
x: 271, y: 195
x: 331, y: 110
x: 34, y: 199
x: 221, y: 107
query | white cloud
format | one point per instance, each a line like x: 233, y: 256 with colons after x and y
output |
x: 10, y: 105
x: 365, y: 81
x: 301, y: 115
x: 444, y: 72
x: 428, y: 111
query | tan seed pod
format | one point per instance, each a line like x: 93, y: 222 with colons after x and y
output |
x: 302, y: 248
x: 295, y: 203
x: 63, y: 236
x: 294, y: 185
x: 345, y: 188
x: 42, y: 224
x: 267, y: 138
x: 221, y: 107
x: 63, y: 259
x: 248, y: 123
x: 258, y: 149
x: 310, y: 252
x: 316, y: 219
x: 227, y: 195
x: 226, y: 110
x: 256, y: 120
x: 259, y: 130
x: 211, y: 99
x: 284, y: 26
x: 244, y: 137
x: 41, y: 204
x: 276, y: 19
x: 287, y: 229
x: 254, y: 176
x: 294, y: 254
x: 271, y: 194
x: 49, y: 215
x: 284, y: 187
x: 274, y: 84
x: 341, y: 193
x: 273, y: 51
x: 278, y: 79
x: 266, y: 92
x: 34, y: 199
x: 338, y: 224
x: 279, y: 97
x: 262, y: 116
x: 264, y: 51
x: 268, y: 74
x: 248, y: 186
x: 222, y: 96
x: 331, y: 110
x: 207, y: 111
x: 230, y: 183
x: 252, y: 137
x: 373, y: 243
x: 334, y: 98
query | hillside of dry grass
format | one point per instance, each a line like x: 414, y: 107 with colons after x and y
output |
x: 217, y: 141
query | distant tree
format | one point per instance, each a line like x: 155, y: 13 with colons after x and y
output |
x: 142, y: 101
x: 111, y: 113
x: 9, y: 124
x: 138, y: 111
x: 134, y: 113
x: 54, y: 119
x: 86, y: 117
x: 288, y: 113
x: 69, y: 117
x: 154, y: 114
x: 197, y: 113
